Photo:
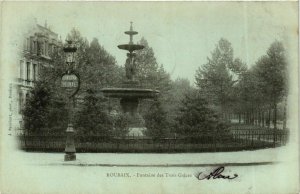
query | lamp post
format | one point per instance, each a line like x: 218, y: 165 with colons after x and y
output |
x: 70, y: 81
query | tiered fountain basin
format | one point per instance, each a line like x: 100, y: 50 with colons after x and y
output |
x: 131, y: 91
x: 129, y: 101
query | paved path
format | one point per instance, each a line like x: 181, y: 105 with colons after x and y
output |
x: 94, y: 173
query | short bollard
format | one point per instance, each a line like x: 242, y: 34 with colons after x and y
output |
x: 70, y: 145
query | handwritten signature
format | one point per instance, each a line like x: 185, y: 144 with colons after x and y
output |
x: 215, y: 174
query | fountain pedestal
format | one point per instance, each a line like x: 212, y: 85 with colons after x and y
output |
x: 129, y: 107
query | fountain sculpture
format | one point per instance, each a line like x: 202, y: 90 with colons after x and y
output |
x: 131, y: 92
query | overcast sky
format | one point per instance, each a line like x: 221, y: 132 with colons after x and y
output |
x: 182, y: 34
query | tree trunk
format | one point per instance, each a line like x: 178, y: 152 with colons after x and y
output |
x: 249, y: 117
x: 263, y: 118
x: 269, y: 118
x: 258, y: 113
x: 274, y: 123
x: 239, y: 118
x: 252, y: 117
x: 259, y: 117
x: 284, y: 113
x: 275, y: 116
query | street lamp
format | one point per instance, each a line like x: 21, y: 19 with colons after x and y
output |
x: 70, y: 81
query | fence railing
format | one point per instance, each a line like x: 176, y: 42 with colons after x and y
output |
x: 236, y: 140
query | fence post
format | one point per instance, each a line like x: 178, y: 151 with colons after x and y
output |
x: 274, y: 137
x: 215, y: 141
x: 25, y: 142
x: 143, y: 142
x: 128, y: 139
x: 133, y: 142
x: 252, y: 134
x: 280, y: 139
x: 174, y: 144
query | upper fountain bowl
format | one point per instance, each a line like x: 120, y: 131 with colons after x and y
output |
x: 131, y: 32
x: 130, y: 47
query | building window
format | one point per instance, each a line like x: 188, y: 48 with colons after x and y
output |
x: 28, y: 71
x: 42, y: 48
x: 31, y: 45
x: 34, y: 72
x: 38, y: 68
x: 21, y: 103
x: 50, y: 49
x: 21, y: 69
x: 27, y: 44
x: 26, y: 97
x: 35, y: 47
x: 46, y: 48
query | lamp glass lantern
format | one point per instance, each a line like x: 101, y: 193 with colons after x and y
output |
x: 70, y: 50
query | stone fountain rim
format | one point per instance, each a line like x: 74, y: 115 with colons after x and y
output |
x: 129, y: 89
x: 130, y: 92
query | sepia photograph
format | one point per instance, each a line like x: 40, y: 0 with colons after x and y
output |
x: 149, y: 97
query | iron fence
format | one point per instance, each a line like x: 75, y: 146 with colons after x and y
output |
x: 235, y: 141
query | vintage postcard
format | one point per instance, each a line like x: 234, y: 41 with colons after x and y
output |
x: 149, y: 97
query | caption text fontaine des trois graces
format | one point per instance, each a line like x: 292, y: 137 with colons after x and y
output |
x: 212, y: 174
x: 148, y: 175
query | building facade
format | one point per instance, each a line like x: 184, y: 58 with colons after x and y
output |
x: 38, y: 45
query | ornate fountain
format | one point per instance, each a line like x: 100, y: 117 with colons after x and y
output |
x: 131, y: 92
